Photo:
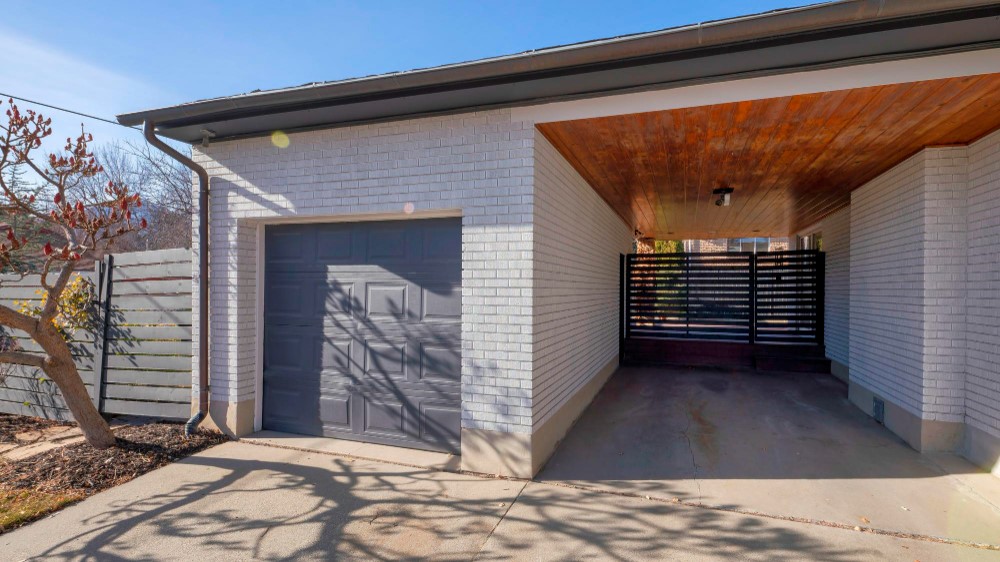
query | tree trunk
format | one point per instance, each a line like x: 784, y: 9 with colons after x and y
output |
x: 61, y: 368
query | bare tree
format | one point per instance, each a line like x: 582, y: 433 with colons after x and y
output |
x: 87, y: 221
x: 165, y: 187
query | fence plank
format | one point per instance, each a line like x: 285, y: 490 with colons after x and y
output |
x: 152, y: 409
x: 154, y: 257
x: 20, y: 293
x: 30, y: 397
x: 147, y: 362
x: 170, y: 347
x: 151, y: 378
x: 152, y: 317
x: 169, y: 287
x: 158, y: 271
x: 144, y: 393
x: 152, y: 302
x: 138, y: 333
x: 22, y: 409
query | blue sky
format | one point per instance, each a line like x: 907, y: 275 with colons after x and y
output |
x: 112, y: 57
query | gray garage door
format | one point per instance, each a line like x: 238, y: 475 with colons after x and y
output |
x: 362, y: 331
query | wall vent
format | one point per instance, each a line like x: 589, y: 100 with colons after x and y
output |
x: 878, y: 409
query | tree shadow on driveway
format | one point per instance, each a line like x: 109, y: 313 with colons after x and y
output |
x: 241, y: 501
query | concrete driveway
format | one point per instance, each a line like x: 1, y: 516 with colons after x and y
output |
x: 608, y: 501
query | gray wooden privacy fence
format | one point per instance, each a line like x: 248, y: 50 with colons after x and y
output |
x: 136, y: 357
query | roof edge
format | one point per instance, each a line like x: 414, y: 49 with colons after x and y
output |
x: 713, y: 34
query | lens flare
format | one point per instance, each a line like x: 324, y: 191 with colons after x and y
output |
x: 408, y: 208
x: 279, y: 139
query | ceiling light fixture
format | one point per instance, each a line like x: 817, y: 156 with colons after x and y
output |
x: 724, y: 194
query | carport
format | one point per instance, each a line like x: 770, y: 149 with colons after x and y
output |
x: 787, y: 437
x: 793, y: 164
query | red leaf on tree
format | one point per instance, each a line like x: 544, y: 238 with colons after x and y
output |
x: 57, y: 198
x: 47, y: 250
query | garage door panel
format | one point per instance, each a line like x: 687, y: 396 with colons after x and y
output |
x: 441, y: 245
x: 336, y: 355
x: 288, y: 246
x: 335, y: 245
x: 386, y: 300
x: 280, y: 403
x: 288, y: 298
x: 363, y: 331
x: 439, y: 301
x: 385, y: 360
x: 287, y: 351
x: 335, y: 410
x: 336, y: 298
x: 440, y: 363
x: 384, y: 416
x: 440, y: 423
x: 388, y: 243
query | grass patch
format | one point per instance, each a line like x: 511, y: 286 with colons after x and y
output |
x: 18, y: 507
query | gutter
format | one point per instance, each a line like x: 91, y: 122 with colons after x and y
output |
x: 149, y: 132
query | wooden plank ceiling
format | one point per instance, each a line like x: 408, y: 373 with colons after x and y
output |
x: 791, y: 160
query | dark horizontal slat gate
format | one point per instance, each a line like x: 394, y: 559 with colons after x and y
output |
x: 789, y: 297
x: 773, y: 297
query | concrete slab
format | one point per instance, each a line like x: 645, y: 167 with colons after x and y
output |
x: 780, y: 444
x: 552, y: 523
x: 373, y: 451
x: 241, y: 501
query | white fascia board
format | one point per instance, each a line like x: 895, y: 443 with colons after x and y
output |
x: 952, y: 65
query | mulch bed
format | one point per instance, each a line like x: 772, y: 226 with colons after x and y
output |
x: 83, y: 469
x: 11, y: 425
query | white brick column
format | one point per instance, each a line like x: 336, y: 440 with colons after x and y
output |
x: 907, y: 297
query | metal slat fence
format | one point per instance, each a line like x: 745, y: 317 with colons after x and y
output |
x: 773, y: 297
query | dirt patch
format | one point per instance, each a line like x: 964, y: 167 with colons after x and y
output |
x: 60, y: 476
x: 11, y: 425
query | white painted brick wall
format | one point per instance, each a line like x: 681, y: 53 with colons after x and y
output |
x: 887, y: 283
x: 982, y: 397
x: 945, y: 192
x: 577, y: 242
x: 908, y: 284
x: 479, y: 164
x: 836, y: 230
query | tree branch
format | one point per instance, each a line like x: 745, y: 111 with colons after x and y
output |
x: 55, y: 292
x: 16, y: 320
x: 22, y: 358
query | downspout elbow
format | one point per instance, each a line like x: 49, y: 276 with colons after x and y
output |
x: 149, y: 132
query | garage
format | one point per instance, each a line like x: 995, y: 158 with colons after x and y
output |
x: 362, y: 331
